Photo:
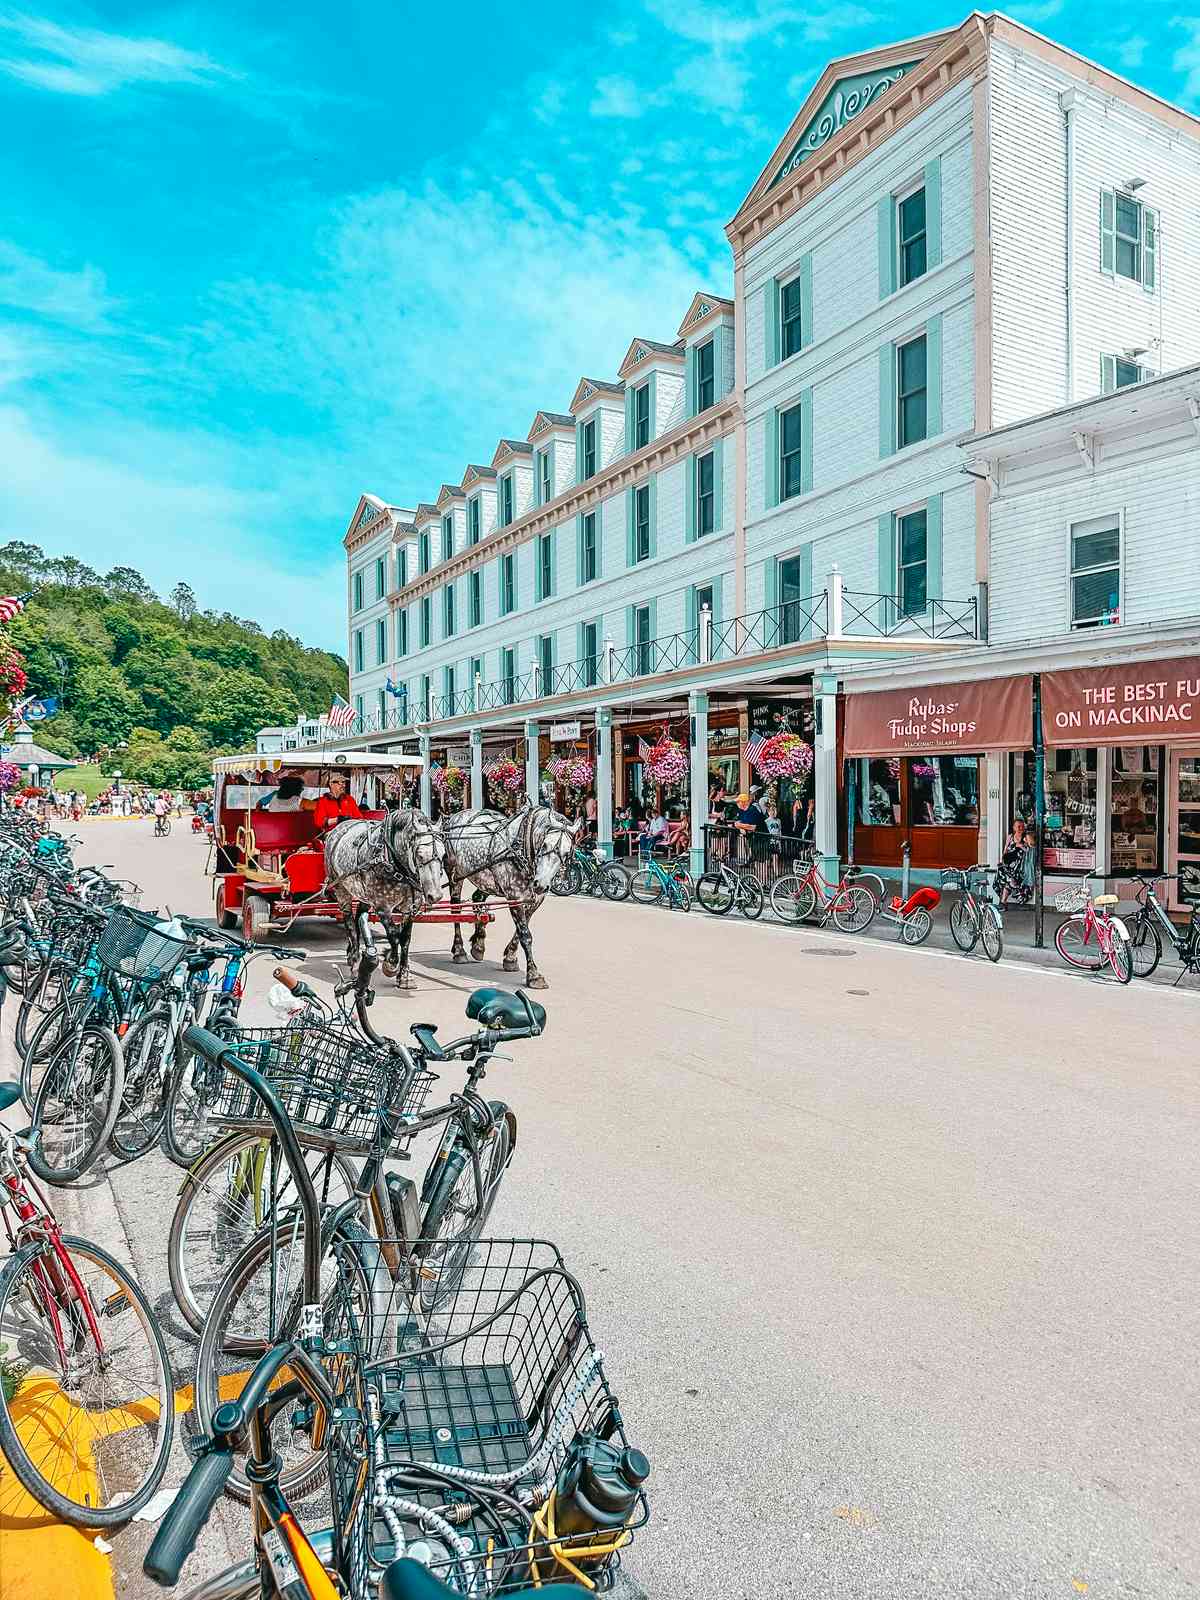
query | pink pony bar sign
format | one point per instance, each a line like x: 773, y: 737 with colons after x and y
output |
x: 1111, y: 704
x: 996, y: 715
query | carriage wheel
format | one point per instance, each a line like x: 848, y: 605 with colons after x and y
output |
x: 224, y: 917
x: 256, y: 917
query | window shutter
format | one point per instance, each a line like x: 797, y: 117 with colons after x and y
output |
x: 1149, y: 249
x: 771, y: 459
x: 933, y: 548
x: 653, y: 498
x: 689, y: 369
x: 689, y: 510
x: 579, y: 452
x: 1108, y: 231
x: 933, y: 212
x: 654, y: 664
x: 628, y: 419
x: 806, y: 441
x: 579, y: 551
x: 718, y: 484
x: 886, y: 569
x: 770, y: 324
x: 1108, y: 374
x: 933, y: 376
x: 806, y: 301
x: 886, y: 225
x: 887, y: 400
x: 770, y: 584
x: 554, y: 561
x: 630, y: 496
x: 629, y: 628
x: 599, y: 541
x: 806, y: 587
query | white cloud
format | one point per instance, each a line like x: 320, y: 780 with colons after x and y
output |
x: 1130, y: 52
x: 616, y: 96
x: 1186, y: 59
x: 31, y: 284
x: 84, y: 61
x: 1034, y: 12
x: 548, y: 105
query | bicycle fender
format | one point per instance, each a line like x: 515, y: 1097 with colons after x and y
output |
x: 499, y: 1109
x: 1119, y: 922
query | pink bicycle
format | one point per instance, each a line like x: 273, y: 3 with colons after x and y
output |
x: 1092, y: 936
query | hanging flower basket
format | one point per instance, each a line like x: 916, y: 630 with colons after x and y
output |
x: 666, y: 762
x: 12, y: 673
x: 784, y: 755
x: 10, y: 776
x: 449, y: 783
x: 504, y: 776
x: 572, y: 772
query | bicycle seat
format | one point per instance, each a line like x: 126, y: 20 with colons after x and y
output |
x: 10, y: 1093
x: 1106, y: 900
x: 496, y: 1008
x: 409, y: 1580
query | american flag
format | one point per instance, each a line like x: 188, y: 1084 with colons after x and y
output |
x: 754, y: 744
x: 12, y: 605
x: 341, y: 713
x: 643, y: 750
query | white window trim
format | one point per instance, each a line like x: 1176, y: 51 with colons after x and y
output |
x: 902, y: 344
x: 899, y: 196
x: 1096, y: 525
x: 897, y: 515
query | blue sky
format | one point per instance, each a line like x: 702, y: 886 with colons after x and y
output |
x: 253, y: 261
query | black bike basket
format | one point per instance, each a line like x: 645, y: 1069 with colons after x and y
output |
x: 133, y: 945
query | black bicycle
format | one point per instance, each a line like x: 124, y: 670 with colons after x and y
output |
x: 1149, y: 926
x: 591, y: 873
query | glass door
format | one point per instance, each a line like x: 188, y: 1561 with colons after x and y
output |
x: 1184, y: 832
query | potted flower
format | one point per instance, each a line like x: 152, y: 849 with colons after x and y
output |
x: 666, y: 761
x: 574, y: 772
x: 505, y: 778
x: 449, y: 783
x: 783, y: 755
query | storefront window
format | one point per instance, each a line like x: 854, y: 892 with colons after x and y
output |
x: 1070, y: 842
x: 1135, y: 809
x: 878, y: 799
x: 944, y: 791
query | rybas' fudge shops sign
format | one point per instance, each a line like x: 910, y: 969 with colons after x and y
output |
x: 1135, y: 701
x: 953, y: 716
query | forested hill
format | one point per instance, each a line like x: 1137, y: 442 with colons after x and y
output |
x: 128, y: 668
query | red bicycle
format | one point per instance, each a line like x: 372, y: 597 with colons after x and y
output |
x: 1093, y: 936
x: 87, y: 1402
x: 850, y: 903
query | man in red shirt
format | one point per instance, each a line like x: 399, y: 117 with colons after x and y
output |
x: 335, y: 805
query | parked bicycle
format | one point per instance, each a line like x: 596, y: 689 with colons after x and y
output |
x: 723, y: 887
x: 591, y: 872
x: 666, y: 883
x: 1093, y: 936
x: 974, y: 917
x: 851, y: 902
x: 1150, y: 929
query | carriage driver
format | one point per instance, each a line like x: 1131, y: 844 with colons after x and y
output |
x: 336, y: 804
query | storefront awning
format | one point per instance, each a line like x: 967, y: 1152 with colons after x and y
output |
x: 978, y: 716
x: 1127, y: 703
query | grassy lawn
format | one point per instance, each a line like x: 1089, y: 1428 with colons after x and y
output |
x: 88, y: 778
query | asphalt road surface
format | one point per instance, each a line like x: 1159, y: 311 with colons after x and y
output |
x: 892, y: 1254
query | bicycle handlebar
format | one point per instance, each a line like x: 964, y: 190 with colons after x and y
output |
x: 186, y: 1516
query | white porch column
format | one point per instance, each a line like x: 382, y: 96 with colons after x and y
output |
x: 476, y: 769
x: 698, y: 785
x: 995, y: 829
x: 604, y: 780
x: 834, y: 589
x: 426, y: 785
x: 533, y: 766
x: 1103, y: 817
x: 825, y: 773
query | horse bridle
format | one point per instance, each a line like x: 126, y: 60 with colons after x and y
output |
x: 421, y: 846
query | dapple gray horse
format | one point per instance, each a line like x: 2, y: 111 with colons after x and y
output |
x: 515, y: 858
x: 396, y: 864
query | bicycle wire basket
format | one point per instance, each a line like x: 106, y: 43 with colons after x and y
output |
x: 1073, y: 899
x: 475, y: 1355
x: 134, y: 945
x: 331, y: 1081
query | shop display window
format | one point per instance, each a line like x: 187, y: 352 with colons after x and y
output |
x: 1134, y: 806
x: 943, y: 791
x: 878, y: 785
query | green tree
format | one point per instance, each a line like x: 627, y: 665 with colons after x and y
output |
x: 128, y: 581
x: 71, y: 572
x: 184, y: 601
x: 106, y: 708
x: 237, y: 704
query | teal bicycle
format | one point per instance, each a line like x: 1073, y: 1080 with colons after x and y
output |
x: 663, y: 883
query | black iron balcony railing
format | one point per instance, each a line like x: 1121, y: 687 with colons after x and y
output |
x: 833, y: 614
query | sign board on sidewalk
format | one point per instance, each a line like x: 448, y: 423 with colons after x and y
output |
x: 563, y: 732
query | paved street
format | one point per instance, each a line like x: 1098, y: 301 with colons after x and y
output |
x: 892, y: 1253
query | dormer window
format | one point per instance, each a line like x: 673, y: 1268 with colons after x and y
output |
x: 706, y: 375
x: 589, y: 448
x: 447, y: 537
x: 473, y: 521
x: 641, y: 416
x: 424, y: 560
x: 506, y: 500
x: 545, y: 479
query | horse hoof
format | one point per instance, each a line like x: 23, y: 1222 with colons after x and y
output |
x: 458, y: 955
x: 477, y: 952
x: 536, y: 982
x: 510, y: 966
x: 403, y: 981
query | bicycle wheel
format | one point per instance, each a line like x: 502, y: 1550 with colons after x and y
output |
x: 165, y: 828
x: 257, y: 1305
x: 88, y: 1429
x: 1146, y: 942
x: 457, y: 1210
x: 873, y: 884
x: 646, y: 887
x: 681, y: 893
x: 1074, y: 948
x: 143, y: 1105
x: 76, y: 1104
x: 854, y: 909
x: 237, y: 1187
x: 992, y: 932
x: 1120, y: 953
x: 793, y: 899
x: 55, y: 1026
x: 189, y: 1127
x: 917, y: 926
x: 715, y: 893
x: 569, y: 880
x: 614, y: 880
x: 964, y: 929
x: 751, y: 898
x: 45, y: 992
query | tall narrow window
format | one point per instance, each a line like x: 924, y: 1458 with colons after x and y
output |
x: 704, y: 604
x: 911, y: 241
x: 589, y: 638
x: 380, y: 578
x: 706, y: 375
x: 447, y: 537
x: 358, y: 651
x: 473, y: 520
x: 358, y: 591
x: 401, y: 567
x: 426, y: 621
x: 381, y: 641
x: 791, y: 329
x: 402, y: 631
x: 791, y: 453
x: 588, y: 432
x: 423, y: 549
x: 381, y: 707
x: 426, y: 706
x: 641, y: 416
x: 451, y: 689
x: 358, y: 714
x: 508, y: 584
x: 545, y: 561
x: 508, y: 676
x: 792, y: 610
x: 546, y: 663
x: 912, y: 556
x: 641, y: 523
x: 545, y: 479
x: 911, y: 393
x: 448, y: 611
x: 1128, y: 238
x: 476, y: 684
x: 506, y: 500
x: 641, y: 639
x: 706, y: 509
x: 587, y: 562
x: 475, y: 598
x: 1096, y: 574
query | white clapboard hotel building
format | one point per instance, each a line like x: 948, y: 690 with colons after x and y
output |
x: 942, y: 433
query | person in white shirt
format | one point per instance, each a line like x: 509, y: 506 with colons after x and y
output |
x: 160, y: 805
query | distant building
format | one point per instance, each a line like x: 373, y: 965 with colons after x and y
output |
x: 304, y: 734
x: 38, y: 765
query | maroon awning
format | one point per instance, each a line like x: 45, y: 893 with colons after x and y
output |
x: 992, y: 714
x: 1129, y: 702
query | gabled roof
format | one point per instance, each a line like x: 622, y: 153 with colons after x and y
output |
x: 507, y: 448
x: 425, y: 513
x: 642, y: 349
x: 369, y: 510
x: 448, y: 492
x: 588, y: 388
x: 702, y: 307
x: 545, y: 420
x: 403, y: 531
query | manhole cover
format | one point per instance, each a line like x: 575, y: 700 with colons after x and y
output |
x: 822, y: 952
x: 858, y: 991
